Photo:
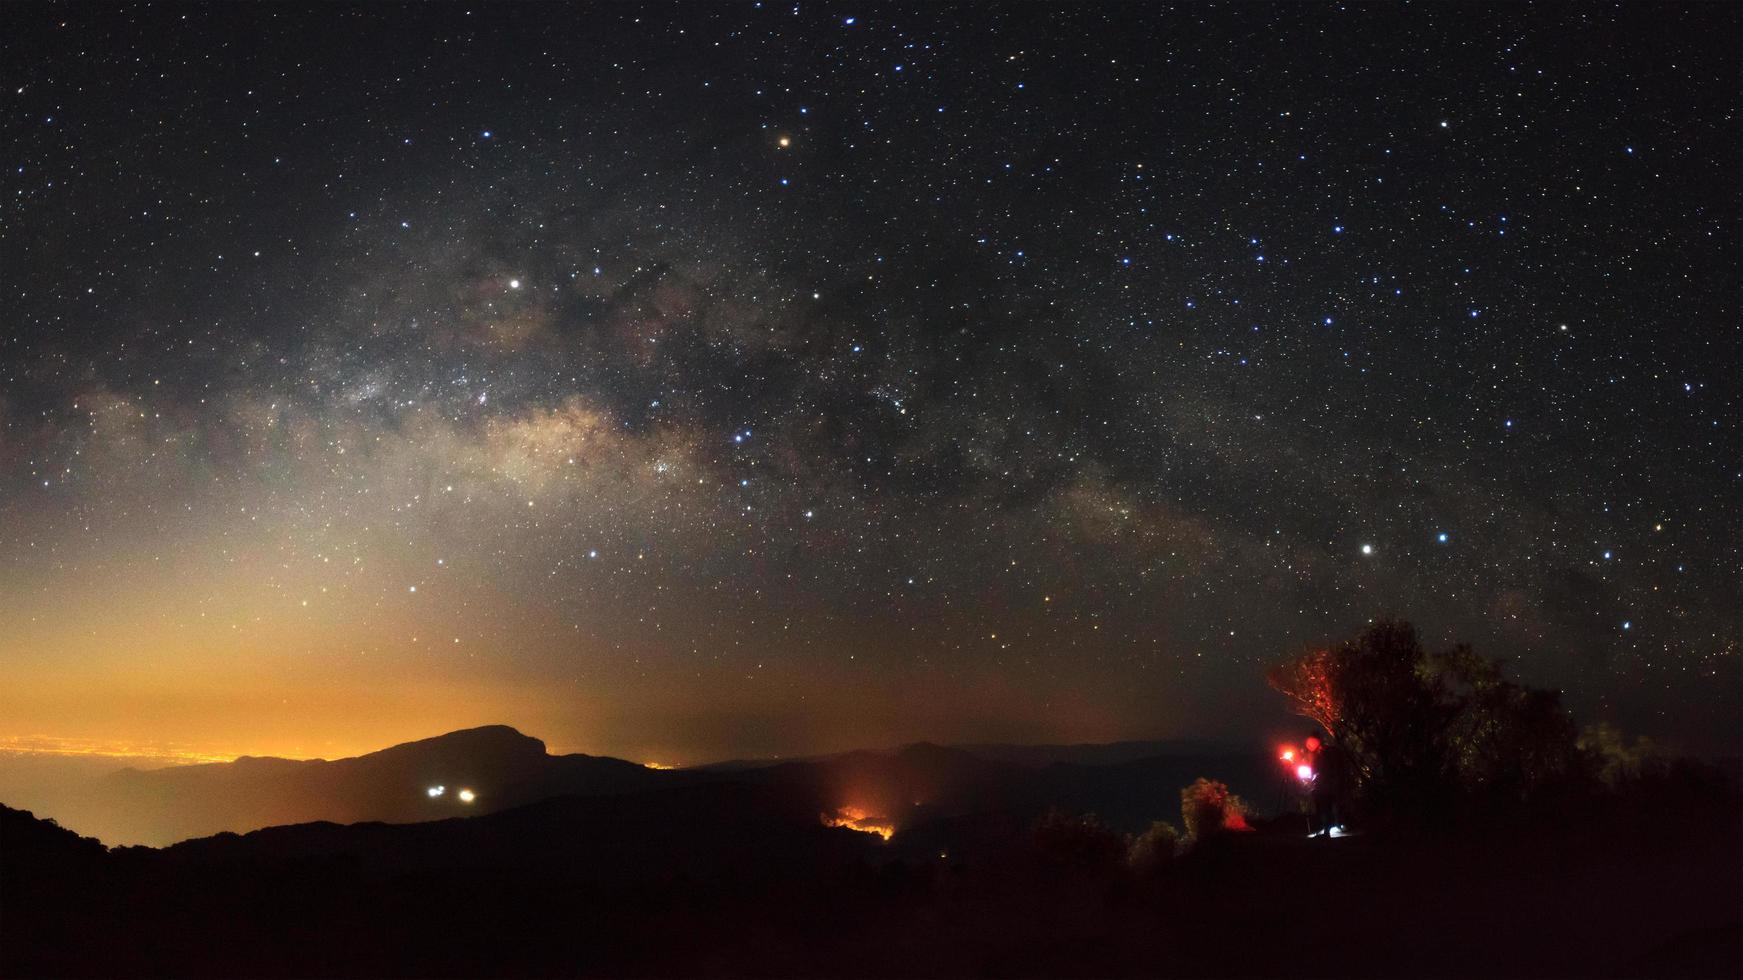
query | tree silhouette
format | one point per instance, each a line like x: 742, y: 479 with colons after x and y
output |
x: 1506, y: 740
x: 1207, y: 808
x: 1154, y: 849
x: 1375, y: 698
x: 1424, y: 731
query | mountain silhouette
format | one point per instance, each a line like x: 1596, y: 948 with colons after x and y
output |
x: 478, y: 771
x: 470, y: 772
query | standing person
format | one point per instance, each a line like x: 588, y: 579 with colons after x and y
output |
x: 1305, y: 770
x: 1330, y: 785
x: 1311, y: 746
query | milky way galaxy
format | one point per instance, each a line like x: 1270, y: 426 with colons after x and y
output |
x: 690, y: 381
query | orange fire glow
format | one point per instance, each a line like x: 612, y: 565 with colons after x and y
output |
x: 856, y: 818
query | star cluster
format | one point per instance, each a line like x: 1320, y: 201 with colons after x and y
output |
x: 693, y: 380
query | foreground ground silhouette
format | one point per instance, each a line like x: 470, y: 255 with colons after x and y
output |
x: 740, y: 878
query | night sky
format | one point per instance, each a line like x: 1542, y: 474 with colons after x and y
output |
x: 682, y: 382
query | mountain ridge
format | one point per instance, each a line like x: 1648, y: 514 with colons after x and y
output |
x: 462, y: 772
x: 488, y: 768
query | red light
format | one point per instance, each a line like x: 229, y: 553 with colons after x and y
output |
x: 1312, y: 743
x: 1288, y: 755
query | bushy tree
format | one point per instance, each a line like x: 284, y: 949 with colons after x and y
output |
x: 1424, y: 731
x: 1207, y: 808
x: 1082, y: 842
x: 1615, y: 759
x: 1506, y: 741
x: 1154, y: 849
x: 1374, y: 696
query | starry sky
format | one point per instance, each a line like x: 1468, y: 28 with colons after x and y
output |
x: 690, y: 381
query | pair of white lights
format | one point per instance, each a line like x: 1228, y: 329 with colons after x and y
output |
x: 465, y: 795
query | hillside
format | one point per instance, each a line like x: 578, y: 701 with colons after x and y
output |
x: 740, y: 879
x: 498, y: 765
x: 1128, y: 784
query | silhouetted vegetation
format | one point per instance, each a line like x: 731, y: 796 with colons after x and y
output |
x: 1152, y: 851
x: 1617, y: 760
x: 1207, y: 808
x: 1080, y: 841
x: 1432, y: 736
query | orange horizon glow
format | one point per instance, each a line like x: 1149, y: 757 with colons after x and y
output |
x: 333, y: 656
x: 55, y: 745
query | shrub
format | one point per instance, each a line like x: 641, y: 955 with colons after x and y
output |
x: 1615, y: 760
x: 1153, y: 849
x: 1208, y: 808
x: 1078, y: 841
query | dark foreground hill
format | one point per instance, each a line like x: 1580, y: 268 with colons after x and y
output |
x: 741, y: 878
